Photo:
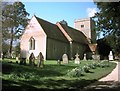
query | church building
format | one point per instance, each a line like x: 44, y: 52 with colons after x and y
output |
x: 53, y: 40
x: 87, y: 27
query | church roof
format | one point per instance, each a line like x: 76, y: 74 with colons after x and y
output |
x: 52, y: 30
x: 76, y: 35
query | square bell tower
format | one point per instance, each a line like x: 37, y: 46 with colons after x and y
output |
x: 87, y: 27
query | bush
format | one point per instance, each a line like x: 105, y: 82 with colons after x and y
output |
x: 98, y: 64
x: 13, y: 76
x: 92, y: 66
x: 86, y: 68
x: 22, y: 76
x: 104, y: 65
x: 76, y: 72
x: 107, y: 65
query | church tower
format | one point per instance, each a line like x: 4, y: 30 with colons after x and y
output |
x: 87, y: 26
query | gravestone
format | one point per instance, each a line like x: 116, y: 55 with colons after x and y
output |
x: 96, y: 57
x: 65, y: 58
x: 110, y: 56
x: 84, y: 57
x: 17, y: 60
x: 77, y: 59
x: 23, y: 58
x: 1, y: 56
x: 59, y: 62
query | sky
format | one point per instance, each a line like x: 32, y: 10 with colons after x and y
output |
x: 58, y: 11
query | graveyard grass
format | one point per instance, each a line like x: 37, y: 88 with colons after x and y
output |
x: 51, y: 77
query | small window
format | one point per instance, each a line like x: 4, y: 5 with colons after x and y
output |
x: 32, y: 44
x: 82, y: 26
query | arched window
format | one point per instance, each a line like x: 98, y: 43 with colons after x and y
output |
x: 32, y: 44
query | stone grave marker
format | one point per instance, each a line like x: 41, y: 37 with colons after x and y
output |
x: 65, y: 59
x: 1, y: 56
x: 77, y: 60
x: 110, y: 56
x: 17, y: 60
x: 84, y: 57
x: 96, y: 57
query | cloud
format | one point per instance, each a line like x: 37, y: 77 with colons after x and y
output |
x: 91, y: 12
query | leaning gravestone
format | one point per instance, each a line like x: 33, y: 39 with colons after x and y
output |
x: 65, y: 58
x: 110, y: 56
x: 77, y: 60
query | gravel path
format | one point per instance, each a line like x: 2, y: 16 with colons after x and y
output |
x: 114, y: 75
x: 109, y: 83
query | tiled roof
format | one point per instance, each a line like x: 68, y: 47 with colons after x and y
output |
x: 76, y: 35
x: 52, y: 30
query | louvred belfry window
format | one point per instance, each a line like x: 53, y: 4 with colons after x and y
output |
x: 32, y: 44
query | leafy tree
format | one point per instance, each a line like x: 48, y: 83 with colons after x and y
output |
x: 103, y: 48
x: 108, y: 22
x: 14, y: 20
x: 5, y: 47
x: 17, y: 49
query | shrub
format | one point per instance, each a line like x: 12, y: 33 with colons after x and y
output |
x: 76, y: 72
x: 92, y: 66
x: 104, y: 65
x: 86, y: 68
x: 98, y: 64
x: 22, y: 76
x: 13, y: 76
x: 107, y: 65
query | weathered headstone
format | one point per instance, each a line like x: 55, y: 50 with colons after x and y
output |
x: 59, y: 62
x: 23, y: 58
x: 17, y: 60
x: 110, y: 56
x: 84, y: 57
x: 1, y: 56
x: 65, y: 58
x: 96, y: 57
x: 77, y: 59
x: 40, y: 60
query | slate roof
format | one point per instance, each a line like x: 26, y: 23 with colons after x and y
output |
x: 76, y: 35
x: 51, y: 30
x: 54, y: 32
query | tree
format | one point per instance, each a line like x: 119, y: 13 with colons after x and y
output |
x: 17, y: 49
x: 108, y: 22
x: 5, y: 47
x: 14, y: 20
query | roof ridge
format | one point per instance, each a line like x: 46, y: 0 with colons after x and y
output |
x: 71, y: 31
x: 51, y: 30
x: 44, y: 20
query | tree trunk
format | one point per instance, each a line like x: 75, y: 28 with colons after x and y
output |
x: 11, y: 43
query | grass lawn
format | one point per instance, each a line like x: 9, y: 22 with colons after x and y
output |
x: 51, y: 77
